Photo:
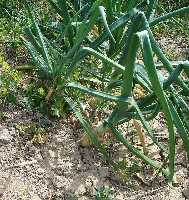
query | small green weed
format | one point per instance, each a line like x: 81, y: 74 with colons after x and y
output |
x: 105, y: 193
x: 10, y: 81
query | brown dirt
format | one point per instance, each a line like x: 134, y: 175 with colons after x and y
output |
x: 59, y: 166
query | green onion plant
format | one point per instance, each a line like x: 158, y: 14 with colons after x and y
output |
x: 111, y: 56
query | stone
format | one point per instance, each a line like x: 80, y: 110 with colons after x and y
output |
x: 52, y: 154
x: 35, y: 197
x: 83, y: 198
x: 2, y: 187
x: 5, y: 136
x: 81, y: 190
x: 185, y: 192
x: 103, y: 172
x: 120, y: 197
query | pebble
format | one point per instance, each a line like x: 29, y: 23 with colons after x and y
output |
x: 5, y: 136
x: 81, y: 190
x: 186, y: 193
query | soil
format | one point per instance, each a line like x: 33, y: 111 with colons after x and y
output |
x: 57, y: 167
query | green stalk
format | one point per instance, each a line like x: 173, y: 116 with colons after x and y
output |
x: 90, y: 131
x: 152, y: 73
x: 92, y: 134
x: 103, y: 95
x: 180, y: 127
x: 66, y: 17
x: 144, y: 123
x: 169, y: 15
x: 103, y: 58
x: 166, y: 62
x: 80, y: 55
x: 44, y: 49
x: 129, y: 57
x: 129, y: 70
x: 132, y: 29
x: 150, y: 8
x: 162, y: 57
x: 85, y: 29
x: 136, y: 152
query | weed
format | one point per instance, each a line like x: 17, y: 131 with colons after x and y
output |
x: 10, y: 80
x: 105, y: 193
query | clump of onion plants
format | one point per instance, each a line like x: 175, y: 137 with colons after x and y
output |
x: 112, y: 44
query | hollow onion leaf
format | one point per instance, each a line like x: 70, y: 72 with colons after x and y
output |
x: 89, y: 130
x: 136, y: 152
x: 152, y: 74
x: 180, y: 127
x: 103, y: 58
x: 96, y: 93
x: 41, y: 40
x: 169, y: 15
x: 103, y: 14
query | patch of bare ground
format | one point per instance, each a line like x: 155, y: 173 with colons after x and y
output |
x: 59, y: 166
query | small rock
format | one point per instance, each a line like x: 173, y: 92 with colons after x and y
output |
x: 62, y: 182
x: 81, y: 190
x: 103, y: 172
x: 5, y: 136
x: 83, y: 198
x: 185, y: 192
x: 35, y: 197
x: 120, y: 197
x: 52, y: 154
x: 91, y: 183
x: 41, y: 171
x: 2, y: 187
